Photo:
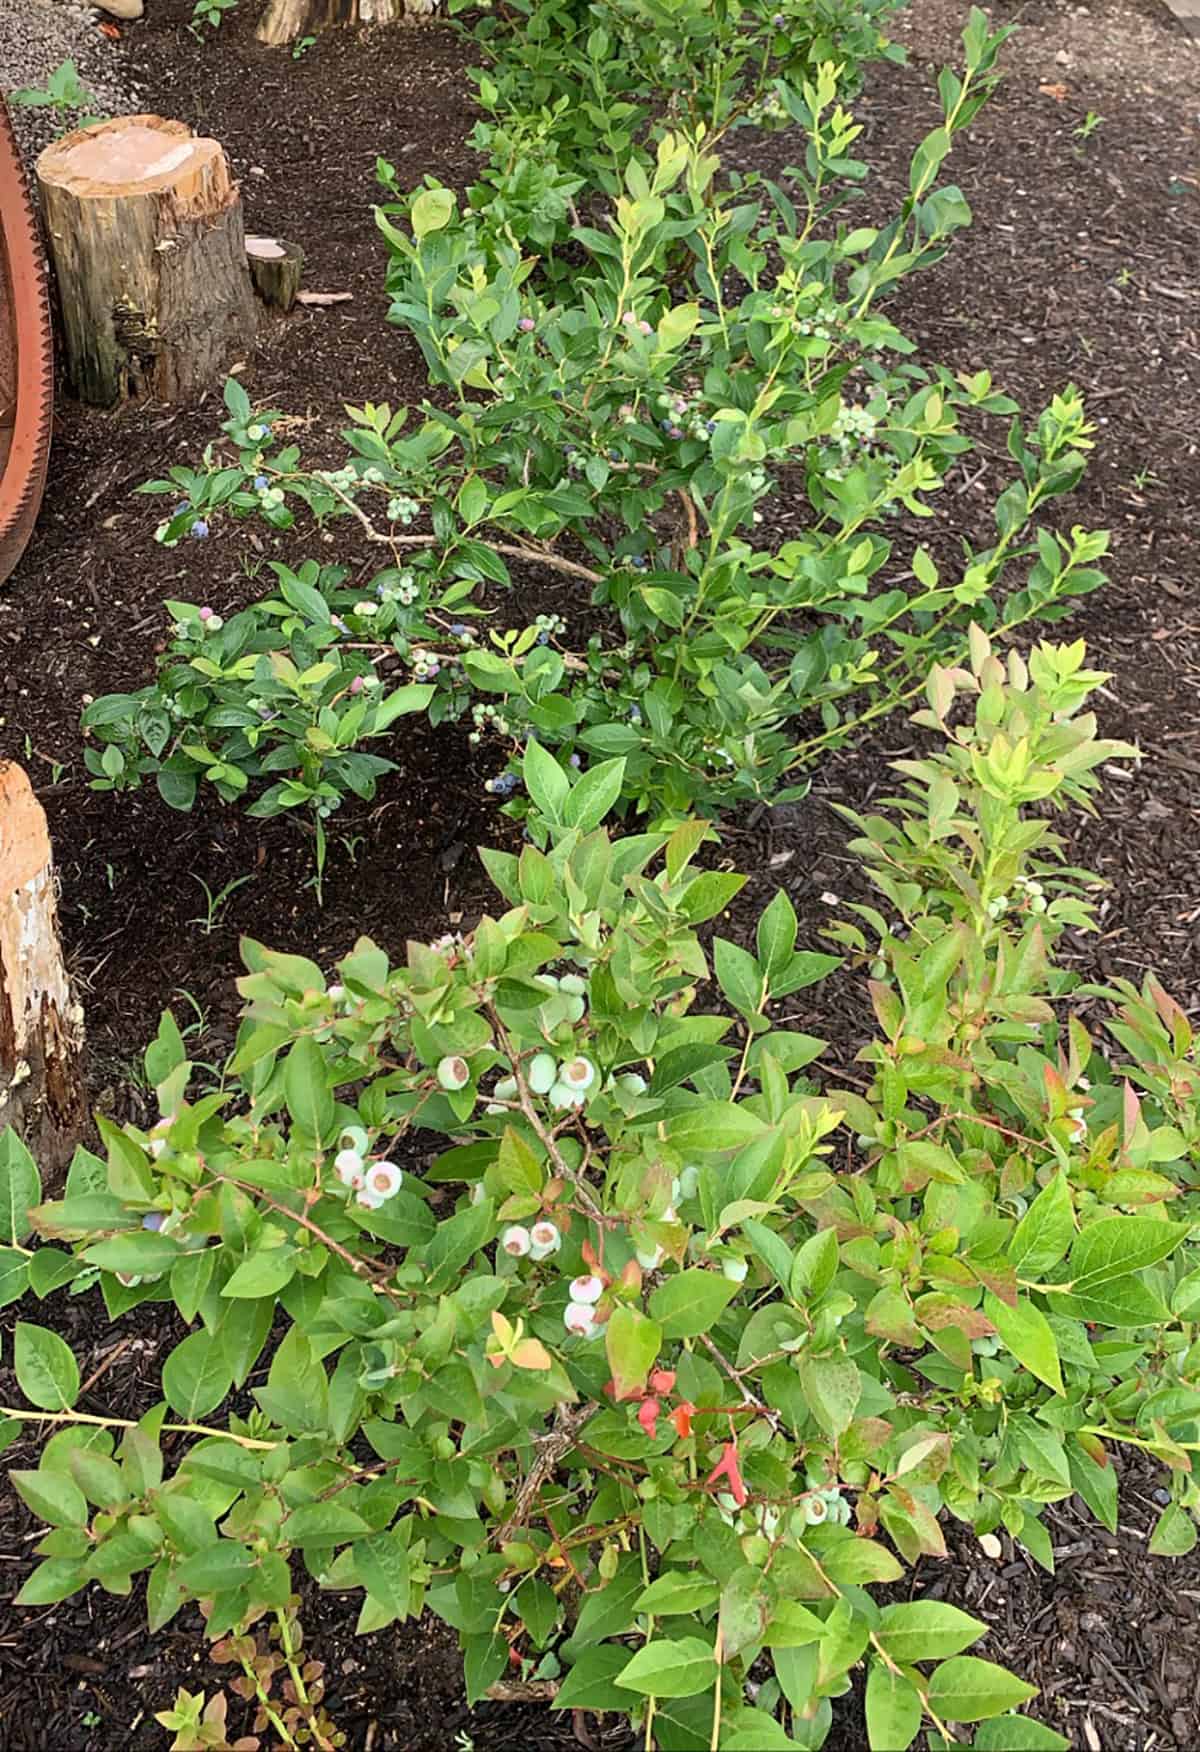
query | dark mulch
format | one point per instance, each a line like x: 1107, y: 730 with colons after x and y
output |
x: 1081, y: 264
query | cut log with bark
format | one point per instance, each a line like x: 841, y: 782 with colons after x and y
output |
x: 41, y: 1026
x: 284, y: 21
x: 275, y: 269
x: 146, y: 235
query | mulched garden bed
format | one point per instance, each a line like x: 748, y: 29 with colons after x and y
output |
x: 1082, y: 264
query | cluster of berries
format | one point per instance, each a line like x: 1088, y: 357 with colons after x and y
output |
x: 1032, y: 893
x: 853, y: 429
x: 769, y: 108
x: 372, y: 1183
x: 548, y: 626
x: 198, y: 529
x: 256, y: 434
x: 210, y: 622
x: 404, y: 589
x: 425, y: 664
x: 340, y: 479
x: 630, y: 320
x: 571, y: 989
x: 680, y: 417
x: 564, y: 1081
x: 854, y: 425
x: 536, y: 1243
x: 539, y: 1242
x: 486, y: 717
x: 402, y: 509
x: 503, y: 785
x: 1079, y: 1129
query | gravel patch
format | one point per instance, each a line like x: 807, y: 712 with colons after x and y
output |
x: 36, y: 36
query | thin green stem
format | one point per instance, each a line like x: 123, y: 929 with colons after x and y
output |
x: 128, y: 1423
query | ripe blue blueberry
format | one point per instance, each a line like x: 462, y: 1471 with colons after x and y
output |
x: 199, y: 529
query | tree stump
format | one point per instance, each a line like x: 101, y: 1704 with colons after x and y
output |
x: 284, y: 21
x: 145, y: 229
x: 275, y: 269
x: 41, y: 1027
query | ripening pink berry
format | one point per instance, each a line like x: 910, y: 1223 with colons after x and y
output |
x: 579, y: 1318
x: 383, y: 1179
x: 544, y: 1238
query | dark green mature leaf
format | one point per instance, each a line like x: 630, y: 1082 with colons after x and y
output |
x: 14, y: 1275
x: 455, y: 1240
x: 776, y: 935
x: 740, y: 977
x: 47, y: 1372
x: 306, y: 1088
x: 713, y: 1125
x: 196, y: 1376
x: 383, y: 1562
x: 609, y: 1611
x: 52, y: 1581
x: 667, y: 1668
x: 485, y: 1658
x: 832, y: 1386
x: 1119, y: 1247
x: 632, y: 1342
x: 927, y: 1630
x: 893, y: 1710
x: 297, y: 1392
x: 1045, y: 1232
x: 747, y: 1600
x: 214, y: 1568
x: 691, y: 1302
x: 1096, y: 1484
x: 590, y: 1684
x: 1025, y: 1331
x: 53, y: 1496
x: 20, y: 1187
x: 966, y: 1689
x: 263, y: 1273
x: 677, y: 1591
x: 1014, y: 1733
x: 1174, y: 1533
x: 1120, y: 1302
x: 142, y: 1252
x: 332, y: 1522
x: 50, y: 1268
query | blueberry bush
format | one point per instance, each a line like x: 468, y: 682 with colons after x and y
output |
x: 621, y: 398
x: 595, y: 1323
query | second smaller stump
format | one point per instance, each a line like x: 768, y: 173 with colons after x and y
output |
x: 275, y: 268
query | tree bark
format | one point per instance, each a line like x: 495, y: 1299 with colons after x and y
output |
x: 41, y: 1026
x: 275, y: 269
x: 284, y: 21
x: 145, y: 229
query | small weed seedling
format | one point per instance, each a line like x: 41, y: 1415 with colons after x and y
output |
x: 64, y: 92
x: 210, y: 12
x: 1087, y: 128
x: 215, y: 903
